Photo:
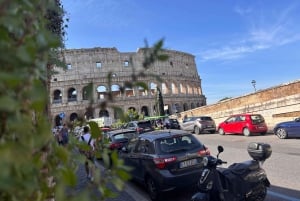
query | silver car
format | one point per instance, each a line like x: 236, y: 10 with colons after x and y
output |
x: 198, y: 124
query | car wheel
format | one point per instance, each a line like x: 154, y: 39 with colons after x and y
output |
x: 152, y: 189
x: 197, y: 130
x: 281, y: 133
x: 246, y: 132
x: 221, y: 131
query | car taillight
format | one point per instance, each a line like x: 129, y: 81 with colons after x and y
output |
x: 115, y: 145
x: 204, y: 152
x: 160, y: 163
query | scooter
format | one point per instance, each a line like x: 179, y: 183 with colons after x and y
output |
x: 245, y: 181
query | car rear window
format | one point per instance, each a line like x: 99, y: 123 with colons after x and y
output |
x: 256, y: 119
x: 145, y: 124
x: 179, y: 143
x: 205, y: 118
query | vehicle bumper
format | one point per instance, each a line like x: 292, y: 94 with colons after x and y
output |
x: 168, y: 181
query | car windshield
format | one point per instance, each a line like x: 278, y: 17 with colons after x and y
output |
x: 177, y: 143
x: 256, y: 119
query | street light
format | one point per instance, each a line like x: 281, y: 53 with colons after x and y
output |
x: 254, y: 84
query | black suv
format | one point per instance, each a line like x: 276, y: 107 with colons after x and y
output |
x: 164, y: 160
x: 140, y: 126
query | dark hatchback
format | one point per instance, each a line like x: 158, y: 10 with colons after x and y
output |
x: 172, y: 124
x: 164, y: 160
x: 116, y: 139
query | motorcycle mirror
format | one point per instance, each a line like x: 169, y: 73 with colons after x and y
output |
x: 220, y: 149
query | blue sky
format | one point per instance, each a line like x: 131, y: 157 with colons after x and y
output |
x: 234, y: 42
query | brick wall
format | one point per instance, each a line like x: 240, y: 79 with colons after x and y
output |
x: 276, y: 104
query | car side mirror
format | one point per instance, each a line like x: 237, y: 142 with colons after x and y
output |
x: 220, y: 149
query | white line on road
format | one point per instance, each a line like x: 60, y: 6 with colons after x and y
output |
x: 285, y: 197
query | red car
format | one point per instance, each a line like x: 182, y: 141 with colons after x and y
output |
x: 245, y: 124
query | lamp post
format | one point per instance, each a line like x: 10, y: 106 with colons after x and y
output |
x: 253, y: 82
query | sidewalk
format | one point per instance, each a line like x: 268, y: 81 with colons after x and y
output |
x: 83, y: 183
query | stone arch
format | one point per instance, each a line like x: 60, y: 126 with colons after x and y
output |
x: 153, y: 88
x: 145, y: 111
x: 164, y: 88
x: 57, y: 120
x: 89, y: 113
x: 73, y: 116
x: 182, y: 89
x: 115, y: 89
x: 189, y: 89
x: 103, y: 113
x: 129, y: 92
x: 185, y: 107
x: 57, y: 96
x: 174, y: 88
x: 85, y: 93
x: 72, y: 94
x: 101, y: 92
x: 142, y: 91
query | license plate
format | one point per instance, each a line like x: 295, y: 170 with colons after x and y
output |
x: 188, y: 163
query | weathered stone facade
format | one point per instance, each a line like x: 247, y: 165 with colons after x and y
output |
x: 276, y: 104
x: 180, y: 86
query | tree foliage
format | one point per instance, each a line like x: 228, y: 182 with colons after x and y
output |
x: 33, y: 167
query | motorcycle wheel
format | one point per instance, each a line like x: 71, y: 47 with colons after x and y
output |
x: 258, y: 193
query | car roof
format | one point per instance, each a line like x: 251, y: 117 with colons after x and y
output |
x: 158, y: 134
x: 119, y: 131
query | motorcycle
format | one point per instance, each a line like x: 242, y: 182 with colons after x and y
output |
x: 245, y: 181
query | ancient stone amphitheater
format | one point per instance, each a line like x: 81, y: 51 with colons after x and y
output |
x: 180, y: 85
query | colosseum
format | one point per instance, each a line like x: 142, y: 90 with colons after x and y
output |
x: 180, y: 86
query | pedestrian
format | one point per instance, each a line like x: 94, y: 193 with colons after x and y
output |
x: 89, y: 162
x: 65, y: 135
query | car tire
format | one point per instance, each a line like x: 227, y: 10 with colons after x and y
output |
x: 246, y: 132
x: 153, y: 189
x: 221, y: 131
x: 281, y: 133
x: 197, y: 130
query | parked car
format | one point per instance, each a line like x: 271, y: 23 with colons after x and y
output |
x: 198, y: 124
x: 171, y: 123
x: 288, y: 129
x: 245, y: 124
x: 164, y: 160
x: 140, y: 126
x: 116, y: 139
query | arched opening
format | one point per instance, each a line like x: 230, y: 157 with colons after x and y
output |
x: 103, y: 113
x: 144, y: 111
x: 72, y: 95
x: 57, y: 96
x: 73, y: 117
x: 101, y: 92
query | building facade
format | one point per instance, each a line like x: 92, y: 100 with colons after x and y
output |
x: 180, y: 83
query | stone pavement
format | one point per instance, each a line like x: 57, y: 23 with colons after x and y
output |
x: 84, y: 183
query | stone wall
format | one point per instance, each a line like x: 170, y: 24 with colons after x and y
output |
x: 276, y: 104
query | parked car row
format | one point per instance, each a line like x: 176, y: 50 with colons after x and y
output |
x: 245, y: 124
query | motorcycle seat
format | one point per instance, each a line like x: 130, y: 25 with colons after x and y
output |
x: 241, y: 168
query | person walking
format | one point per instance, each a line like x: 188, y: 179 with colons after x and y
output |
x: 89, y: 162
